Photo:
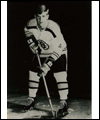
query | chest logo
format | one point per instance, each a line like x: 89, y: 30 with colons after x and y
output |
x: 43, y: 44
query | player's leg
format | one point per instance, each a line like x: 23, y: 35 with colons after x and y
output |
x: 60, y: 74
x: 33, y: 84
x: 33, y: 88
x: 62, y: 84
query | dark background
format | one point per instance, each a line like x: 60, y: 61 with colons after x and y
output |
x: 74, y: 18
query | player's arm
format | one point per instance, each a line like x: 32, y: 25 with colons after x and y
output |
x: 57, y: 43
x: 57, y: 51
x: 31, y: 40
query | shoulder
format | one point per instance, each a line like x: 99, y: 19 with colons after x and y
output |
x: 31, y: 23
x: 53, y: 25
x: 54, y: 28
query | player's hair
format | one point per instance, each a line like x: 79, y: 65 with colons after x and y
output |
x: 41, y: 8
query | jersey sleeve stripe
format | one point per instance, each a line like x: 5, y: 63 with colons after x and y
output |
x: 47, y: 29
x: 56, y: 54
x: 55, y: 57
x: 31, y: 27
x: 46, y: 53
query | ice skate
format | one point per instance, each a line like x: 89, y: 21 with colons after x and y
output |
x: 29, y: 105
x: 63, y: 110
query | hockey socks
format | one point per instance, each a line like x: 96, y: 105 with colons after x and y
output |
x: 33, y: 84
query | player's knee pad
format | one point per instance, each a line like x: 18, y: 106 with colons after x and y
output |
x: 60, y: 76
x: 33, y: 76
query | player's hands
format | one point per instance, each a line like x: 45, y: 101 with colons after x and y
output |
x: 43, y: 70
x: 34, y: 48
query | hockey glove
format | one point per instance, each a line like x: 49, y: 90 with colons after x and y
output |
x: 46, y: 66
x: 33, y: 48
x: 43, y: 70
x: 33, y: 44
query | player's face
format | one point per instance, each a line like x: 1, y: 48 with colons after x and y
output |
x: 42, y: 19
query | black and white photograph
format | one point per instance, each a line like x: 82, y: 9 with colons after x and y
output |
x: 49, y: 60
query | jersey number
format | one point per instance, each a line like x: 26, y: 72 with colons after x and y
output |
x: 44, y: 45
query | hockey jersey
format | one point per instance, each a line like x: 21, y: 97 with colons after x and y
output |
x: 50, y: 39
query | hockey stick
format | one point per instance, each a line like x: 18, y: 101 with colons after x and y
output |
x: 47, y: 91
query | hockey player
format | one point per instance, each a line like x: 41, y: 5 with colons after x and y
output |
x: 44, y: 36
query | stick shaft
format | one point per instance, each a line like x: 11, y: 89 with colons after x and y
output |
x: 47, y: 91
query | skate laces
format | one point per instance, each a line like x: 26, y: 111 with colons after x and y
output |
x: 62, y: 104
